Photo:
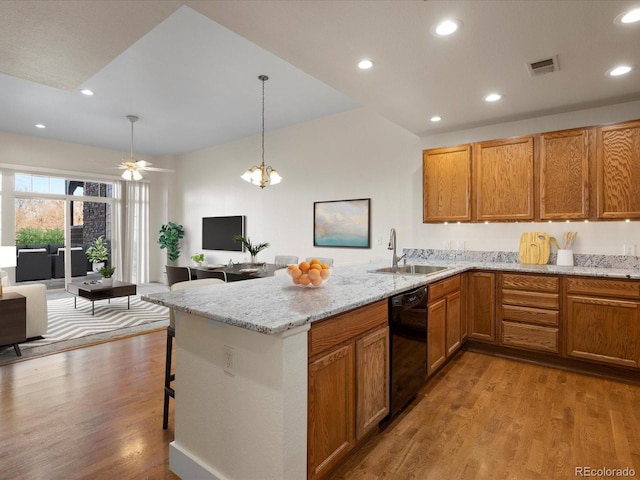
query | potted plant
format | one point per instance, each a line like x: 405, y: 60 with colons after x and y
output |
x: 170, y: 236
x: 253, y: 249
x: 97, y: 253
x: 198, y: 258
x: 107, y: 274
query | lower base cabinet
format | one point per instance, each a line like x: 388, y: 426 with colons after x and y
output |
x: 603, y: 321
x: 348, y: 384
x: 481, y: 306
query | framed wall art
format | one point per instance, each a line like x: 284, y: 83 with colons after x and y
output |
x: 342, y: 223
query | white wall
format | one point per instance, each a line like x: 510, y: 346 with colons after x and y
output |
x: 356, y: 154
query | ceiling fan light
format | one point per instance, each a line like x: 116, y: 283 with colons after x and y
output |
x: 136, y: 175
x: 127, y: 175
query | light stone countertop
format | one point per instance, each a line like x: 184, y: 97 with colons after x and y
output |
x: 273, y: 305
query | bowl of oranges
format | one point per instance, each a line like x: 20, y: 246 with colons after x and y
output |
x: 309, y: 274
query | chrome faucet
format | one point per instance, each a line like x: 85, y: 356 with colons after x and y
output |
x: 392, y: 246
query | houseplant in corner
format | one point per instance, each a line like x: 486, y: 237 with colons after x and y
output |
x: 97, y: 253
x: 170, y: 236
x: 253, y: 249
x: 107, y: 274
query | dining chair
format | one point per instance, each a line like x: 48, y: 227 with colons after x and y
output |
x: 177, y: 274
x: 169, y: 377
x: 284, y: 260
x: 201, y: 273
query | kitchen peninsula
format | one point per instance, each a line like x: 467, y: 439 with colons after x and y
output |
x: 247, y: 418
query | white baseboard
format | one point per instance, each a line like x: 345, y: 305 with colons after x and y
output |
x: 187, y: 466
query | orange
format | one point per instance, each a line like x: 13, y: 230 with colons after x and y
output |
x: 325, y: 273
x: 314, y: 273
x: 314, y: 261
x: 295, y: 272
x: 325, y: 266
x: 304, y: 266
x: 316, y: 282
x: 305, y: 280
x: 315, y: 266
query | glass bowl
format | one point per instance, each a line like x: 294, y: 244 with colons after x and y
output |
x: 309, y: 275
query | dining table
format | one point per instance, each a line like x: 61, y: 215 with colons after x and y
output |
x: 237, y: 271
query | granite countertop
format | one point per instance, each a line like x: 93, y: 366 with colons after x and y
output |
x: 273, y: 305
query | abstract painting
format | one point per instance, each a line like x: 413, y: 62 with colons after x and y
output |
x: 342, y: 223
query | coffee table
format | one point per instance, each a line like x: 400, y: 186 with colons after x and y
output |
x: 97, y: 291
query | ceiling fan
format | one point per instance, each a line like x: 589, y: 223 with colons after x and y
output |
x: 131, y: 166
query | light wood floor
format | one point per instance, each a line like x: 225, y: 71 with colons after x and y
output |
x: 91, y: 413
x: 490, y: 418
x: 96, y: 413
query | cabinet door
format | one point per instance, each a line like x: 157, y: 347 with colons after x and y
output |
x: 436, y: 334
x: 331, y: 417
x: 504, y: 179
x: 454, y: 331
x: 447, y: 184
x: 618, y: 170
x: 481, y: 306
x: 372, y: 380
x: 604, y: 330
x: 564, y: 174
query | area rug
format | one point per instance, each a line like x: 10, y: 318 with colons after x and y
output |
x: 71, y: 327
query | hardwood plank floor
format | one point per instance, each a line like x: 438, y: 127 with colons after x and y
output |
x: 485, y: 417
x: 91, y: 413
x: 96, y: 413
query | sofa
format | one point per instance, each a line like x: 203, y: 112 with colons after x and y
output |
x: 37, y: 313
x: 78, y: 262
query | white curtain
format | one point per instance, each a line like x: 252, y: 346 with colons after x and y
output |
x: 132, y: 227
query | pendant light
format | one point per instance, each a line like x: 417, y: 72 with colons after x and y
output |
x: 262, y: 175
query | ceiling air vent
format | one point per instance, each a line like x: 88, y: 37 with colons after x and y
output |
x: 541, y: 67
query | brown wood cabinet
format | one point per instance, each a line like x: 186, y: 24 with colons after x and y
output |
x: 447, y: 184
x: 504, y: 180
x: 565, y: 159
x: 481, y: 306
x: 348, y: 383
x: 529, y: 314
x: 618, y: 170
x: 444, y: 332
x: 603, y: 320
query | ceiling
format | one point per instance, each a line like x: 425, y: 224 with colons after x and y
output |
x: 189, y: 69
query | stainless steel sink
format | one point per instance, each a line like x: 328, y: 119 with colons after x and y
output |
x: 410, y: 270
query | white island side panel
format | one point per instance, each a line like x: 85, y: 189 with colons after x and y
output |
x: 252, y: 425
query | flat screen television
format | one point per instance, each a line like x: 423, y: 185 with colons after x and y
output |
x: 218, y: 233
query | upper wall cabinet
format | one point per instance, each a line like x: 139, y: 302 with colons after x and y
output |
x: 565, y: 157
x: 447, y: 184
x: 618, y: 171
x: 504, y: 189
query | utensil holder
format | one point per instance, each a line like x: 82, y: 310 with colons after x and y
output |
x: 565, y: 258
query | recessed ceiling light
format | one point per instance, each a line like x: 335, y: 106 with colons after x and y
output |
x: 631, y: 16
x: 446, y: 27
x: 436, y: 118
x: 365, y: 64
x: 619, y: 70
x: 87, y: 92
x: 493, y: 97
x: 40, y: 125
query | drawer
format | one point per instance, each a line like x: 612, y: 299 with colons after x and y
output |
x: 536, y: 316
x: 602, y: 286
x: 530, y: 337
x: 536, y: 283
x: 531, y: 299
x: 440, y: 289
x: 328, y: 333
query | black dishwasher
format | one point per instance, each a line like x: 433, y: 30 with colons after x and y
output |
x: 408, y: 327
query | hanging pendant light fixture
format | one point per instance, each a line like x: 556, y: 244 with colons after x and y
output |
x: 262, y: 175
